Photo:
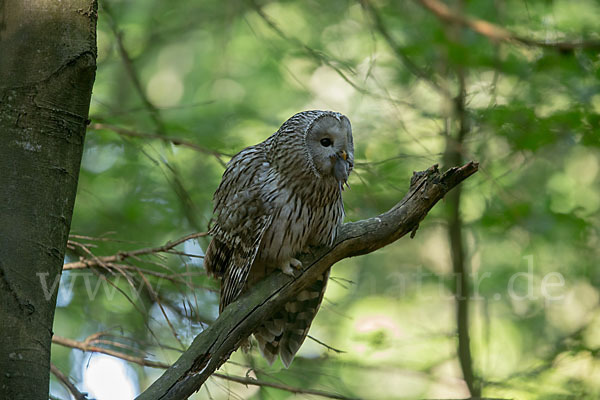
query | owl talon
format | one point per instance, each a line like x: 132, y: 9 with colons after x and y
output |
x: 291, y: 267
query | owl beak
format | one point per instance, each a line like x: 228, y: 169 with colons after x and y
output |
x: 341, y: 168
x: 344, y: 156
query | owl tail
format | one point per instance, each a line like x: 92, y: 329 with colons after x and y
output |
x: 285, y: 332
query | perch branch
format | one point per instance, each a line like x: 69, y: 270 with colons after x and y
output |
x: 214, y: 345
x: 498, y: 34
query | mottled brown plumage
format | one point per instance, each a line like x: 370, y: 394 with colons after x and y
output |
x: 275, y: 200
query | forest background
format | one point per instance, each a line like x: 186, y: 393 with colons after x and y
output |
x: 514, y: 84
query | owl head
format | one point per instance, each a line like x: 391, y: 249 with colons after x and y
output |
x: 326, y: 138
x: 330, y: 146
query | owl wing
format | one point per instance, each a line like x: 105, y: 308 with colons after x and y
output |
x: 241, y: 219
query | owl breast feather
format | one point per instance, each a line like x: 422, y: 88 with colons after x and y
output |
x: 298, y: 223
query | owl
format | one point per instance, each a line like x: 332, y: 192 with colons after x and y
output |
x: 275, y: 200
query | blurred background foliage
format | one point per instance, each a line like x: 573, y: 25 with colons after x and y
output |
x: 183, y: 85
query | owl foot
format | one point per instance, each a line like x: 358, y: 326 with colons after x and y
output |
x: 290, y: 267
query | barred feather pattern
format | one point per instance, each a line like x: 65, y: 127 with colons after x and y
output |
x: 274, y: 201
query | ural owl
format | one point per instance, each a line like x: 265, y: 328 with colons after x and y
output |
x: 275, y: 200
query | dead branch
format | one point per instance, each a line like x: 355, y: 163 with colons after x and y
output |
x: 95, y: 261
x: 328, y: 347
x: 255, y: 382
x: 214, y: 345
x: 67, y: 383
x: 497, y: 33
x: 88, y: 345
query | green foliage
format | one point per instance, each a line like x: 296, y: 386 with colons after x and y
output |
x: 223, y: 77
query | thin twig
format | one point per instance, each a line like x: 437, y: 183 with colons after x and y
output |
x: 122, y: 255
x: 317, y: 55
x: 474, y: 398
x: 156, y: 299
x: 499, y: 34
x: 128, y: 62
x: 397, y: 49
x: 88, y: 347
x: 328, y: 347
x: 176, y: 182
x: 175, y: 277
x: 255, y: 382
x: 101, y: 238
x: 176, y: 141
x: 67, y: 383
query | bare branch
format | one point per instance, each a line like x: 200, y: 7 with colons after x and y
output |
x: 131, y: 71
x: 102, y: 261
x: 176, y: 141
x: 499, y: 34
x: 175, y: 182
x: 287, y: 388
x: 88, y: 346
x: 215, y: 344
x: 328, y: 347
x: 320, y: 56
x: 397, y: 49
x: 67, y: 383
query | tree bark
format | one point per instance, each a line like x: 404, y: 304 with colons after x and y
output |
x: 47, y: 69
x: 214, y: 345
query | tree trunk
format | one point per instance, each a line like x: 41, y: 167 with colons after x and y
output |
x: 47, y: 69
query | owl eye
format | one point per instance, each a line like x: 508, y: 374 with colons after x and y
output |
x: 326, y: 142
